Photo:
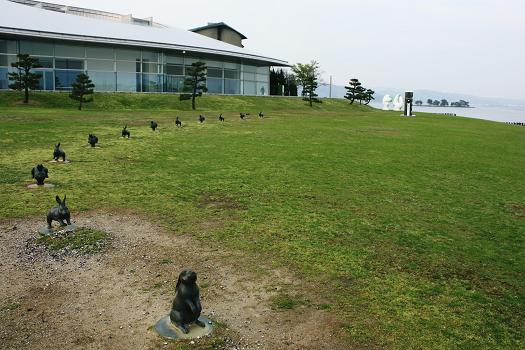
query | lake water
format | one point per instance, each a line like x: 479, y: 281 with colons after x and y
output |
x: 498, y: 114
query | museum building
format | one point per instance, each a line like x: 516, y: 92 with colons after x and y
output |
x: 122, y: 53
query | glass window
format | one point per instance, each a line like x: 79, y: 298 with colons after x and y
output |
x: 231, y: 73
x: 262, y: 89
x: 101, y: 65
x: 104, y: 81
x: 231, y: 65
x: 126, y: 66
x: 214, y: 85
x: 64, y: 78
x: 150, y: 56
x: 6, y: 60
x: 248, y: 76
x: 45, y: 62
x: 214, y: 72
x: 174, y: 59
x: 173, y: 69
x: 250, y: 88
x: 188, y: 61
x: 262, y: 78
x: 67, y: 63
x: 150, y: 67
x: 36, y: 48
x: 151, y: 83
x: 232, y: 87
x: 8, y: 46
x: 263, y: 70
x: 100, y: 52
x: 128, y: 55
x: 4, y: 80
x: 174, y: 84
x: 128, y: 82
x: 46, y: 80
x: 214, y: 64
x: 69, y: 51
x: 251, y: 69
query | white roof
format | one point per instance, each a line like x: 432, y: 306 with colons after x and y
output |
x: 20, y: 19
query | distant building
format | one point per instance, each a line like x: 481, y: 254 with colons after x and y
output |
x: 125, y: 53
x: 223, y: 32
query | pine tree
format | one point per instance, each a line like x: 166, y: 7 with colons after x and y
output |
x: 195, y: 82
x: 369, y: 96
x: 23, y: 79
x: 81, y: 88
x: 307, y: 76
x: 354, y: 91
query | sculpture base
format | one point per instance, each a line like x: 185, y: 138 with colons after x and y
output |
x: 46, y: 185
x: 57, y: 231
x: 168, y: 330
x: 413, y: 115
x: 59, y: 161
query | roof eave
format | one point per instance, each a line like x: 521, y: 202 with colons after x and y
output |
x: 106, y: 40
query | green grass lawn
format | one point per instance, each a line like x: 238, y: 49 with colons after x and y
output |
x: 412, y: 228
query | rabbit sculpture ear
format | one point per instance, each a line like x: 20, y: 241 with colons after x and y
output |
x: 64, y: 201
x: 58, y: 199
x: 58, y: 144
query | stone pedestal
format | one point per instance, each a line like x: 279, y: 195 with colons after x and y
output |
x: 46, y: 185
x: 169, y: 331
x: 57, y: 231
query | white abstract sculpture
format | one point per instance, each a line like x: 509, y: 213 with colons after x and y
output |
x: 387, y: 102
x: 399, y: 103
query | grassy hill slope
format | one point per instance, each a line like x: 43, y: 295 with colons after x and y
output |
x: 412, y: 229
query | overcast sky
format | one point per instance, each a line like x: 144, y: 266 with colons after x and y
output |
x: 464, y: 46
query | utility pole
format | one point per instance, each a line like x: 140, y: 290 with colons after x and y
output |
x: 330, y: 93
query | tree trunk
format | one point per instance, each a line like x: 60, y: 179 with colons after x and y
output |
x: 310, y: 100
x: 193, y: 96
x: 80, y: 103
x: 26, y: 95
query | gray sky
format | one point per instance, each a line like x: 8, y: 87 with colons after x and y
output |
x: 465, y: 46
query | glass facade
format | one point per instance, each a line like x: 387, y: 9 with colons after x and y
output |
x: 115, y: 69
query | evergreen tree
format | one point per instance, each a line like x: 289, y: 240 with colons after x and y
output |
x: 290, y: 89
x: 369, y: 96
x: 81, y: 89
x: 277, y: 82
x: 307, y: 75
x: 354, y: 91
x: 282, y: 83
x: 23, y: 79
x: 361, y: 94
x: 195, y: 82
x: 419, y: 102
x: 429, y: 102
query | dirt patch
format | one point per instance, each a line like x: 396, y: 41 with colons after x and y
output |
x: 110, y: 300
x: 516, y: 209
x: 213, y: 201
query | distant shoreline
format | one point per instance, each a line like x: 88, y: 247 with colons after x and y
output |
x: 443, y: 106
